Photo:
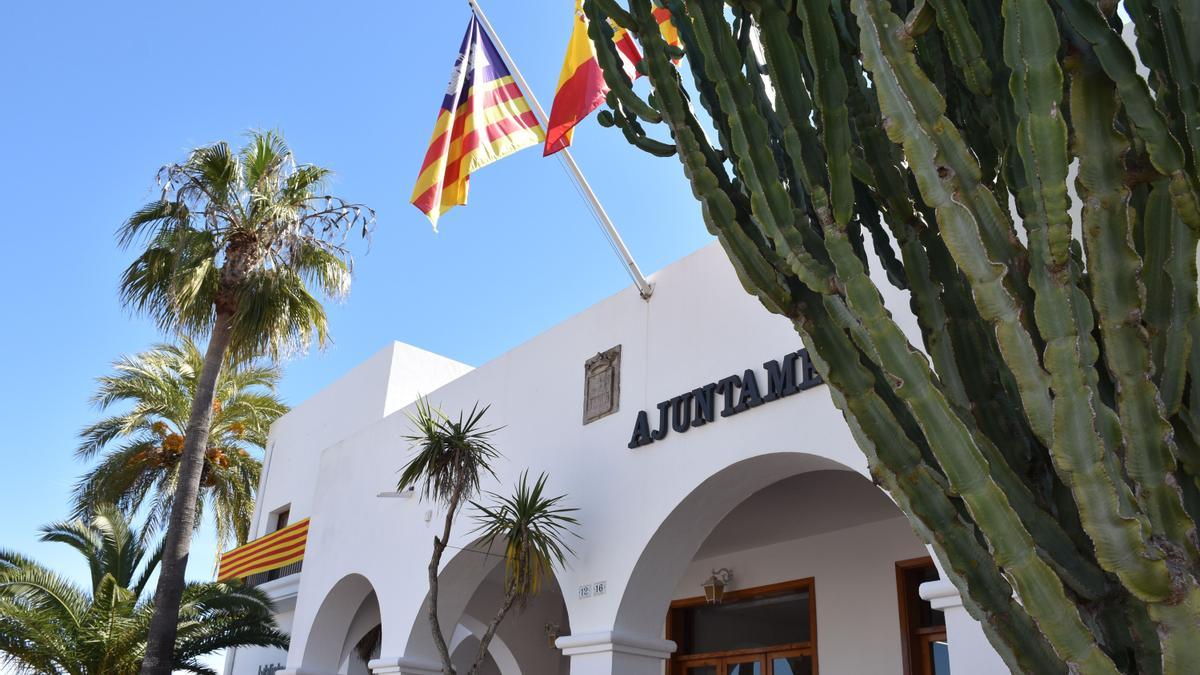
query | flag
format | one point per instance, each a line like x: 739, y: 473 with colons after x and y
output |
x: 581, y: 86
x: 483, y: 118
x: 670, y: 33
x: 278, y: 549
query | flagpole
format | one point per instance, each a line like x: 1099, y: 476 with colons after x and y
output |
x: 644, y: 287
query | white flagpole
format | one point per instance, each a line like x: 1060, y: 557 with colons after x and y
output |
x: 644, y: 286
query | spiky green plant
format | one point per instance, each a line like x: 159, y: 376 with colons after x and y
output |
x: 49, y: 625
x: 533, y: 529
x: 239, y: 248
x: 1045, y: 436
x: 142, y: 443
x: 453, y: 455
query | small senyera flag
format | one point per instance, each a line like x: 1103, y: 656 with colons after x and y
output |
x: 483, y: 118
x: 581, y: 87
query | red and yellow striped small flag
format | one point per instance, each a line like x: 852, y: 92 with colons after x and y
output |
x: 483, y: 118
x: 581, y: 87
x: 669, y: 32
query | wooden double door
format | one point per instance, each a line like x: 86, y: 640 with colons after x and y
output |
x: 781, y: 662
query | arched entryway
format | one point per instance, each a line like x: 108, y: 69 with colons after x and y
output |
x: 349, y: 612
x: 470, y: 590
x: 812, y: 547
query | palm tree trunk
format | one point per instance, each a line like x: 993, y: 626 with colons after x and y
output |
x: 510, y: 597
x: 435, y: 561
x: 160, y: 643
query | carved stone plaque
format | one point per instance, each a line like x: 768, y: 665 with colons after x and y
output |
x: 602, y: 384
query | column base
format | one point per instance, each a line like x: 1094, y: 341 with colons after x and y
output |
x: 404, y: 665
x: 614, y: 653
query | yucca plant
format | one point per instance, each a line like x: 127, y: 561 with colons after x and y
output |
x: 238, y: 248
x: 1044, y: 437
x: 51, y: 626
x: 142, y: 444
x: 452, y: 457
x: 532, y: 528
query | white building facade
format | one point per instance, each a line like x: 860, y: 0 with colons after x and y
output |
x: 694, y: 438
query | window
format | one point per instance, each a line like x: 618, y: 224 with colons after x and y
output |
x: 769, y: 630
x: 281, y: 521
x: 923, y: 628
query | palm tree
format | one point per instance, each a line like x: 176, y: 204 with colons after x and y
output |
x: 143, y: 444
x: 235, y: 248
x: 452, y: 457
x: 532, y: 528
x: 49, y: 625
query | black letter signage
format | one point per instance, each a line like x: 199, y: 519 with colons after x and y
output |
x: 737, y: 393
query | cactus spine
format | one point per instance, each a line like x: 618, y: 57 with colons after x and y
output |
x: 1048, y: 447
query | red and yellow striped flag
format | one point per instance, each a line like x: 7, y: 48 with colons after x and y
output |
x: 483, y: 118
x: 278, y: 549
x: 669, y: 32
x: 581, y: 86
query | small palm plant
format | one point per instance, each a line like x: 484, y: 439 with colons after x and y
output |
x: 49, y: 625
x: 238, y: 248
x: 452, y: 456
x: 532, y: 529
x: 143, y: 444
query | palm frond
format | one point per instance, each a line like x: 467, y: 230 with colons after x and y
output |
x: 533, y: 529
x: 452, y: 454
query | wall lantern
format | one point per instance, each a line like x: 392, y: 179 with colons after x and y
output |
x: 553, y: 632
x: 714, y: 586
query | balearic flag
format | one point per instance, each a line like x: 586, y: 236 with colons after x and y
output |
x: 581, y: 86
x: 483, y: 118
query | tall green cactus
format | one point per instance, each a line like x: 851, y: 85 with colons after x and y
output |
x: 1045, y: 437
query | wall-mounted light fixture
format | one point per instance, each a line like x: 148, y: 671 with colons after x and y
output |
x: 406, y: 493
x: 553, y: 632
x: 714, y: 586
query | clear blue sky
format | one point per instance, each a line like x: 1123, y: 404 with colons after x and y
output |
x: 96, y: 96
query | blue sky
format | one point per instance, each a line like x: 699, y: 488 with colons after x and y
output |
x: 96, y: 96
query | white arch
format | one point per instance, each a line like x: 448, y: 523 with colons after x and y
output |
x: 671, y: 548
x: 333, y: 622
x: 469, y: 626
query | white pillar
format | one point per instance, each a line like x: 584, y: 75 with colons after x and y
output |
x: 614, y: 653
x: 970, y: 651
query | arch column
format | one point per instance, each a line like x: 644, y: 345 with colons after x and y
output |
x: 970, y: 651
x: 615, y: 653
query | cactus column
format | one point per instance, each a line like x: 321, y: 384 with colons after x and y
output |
x: 1048, y: 445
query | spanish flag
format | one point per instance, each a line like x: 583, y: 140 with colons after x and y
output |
x: 581, y: 86
x: 483, y: 118
x: 669, y: 32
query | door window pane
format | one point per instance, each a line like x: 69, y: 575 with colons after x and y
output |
x: 940, y: 658
x: 700, y: 670
x: 791, y: 665
x: 747, y: 624
x: 746, y: 668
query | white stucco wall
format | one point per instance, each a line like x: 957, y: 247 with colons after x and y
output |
x: 644, y: 513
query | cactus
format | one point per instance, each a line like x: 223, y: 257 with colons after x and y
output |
x: 1044, y: 439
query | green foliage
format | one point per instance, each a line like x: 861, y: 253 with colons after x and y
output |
x: 452, y: 457
x: 142, y: 444
x: 1044, y: 437
x: 50, y: 625
x: 532, y: 528
x: 248, y: 235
